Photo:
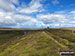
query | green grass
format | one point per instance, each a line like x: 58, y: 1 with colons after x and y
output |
x: 63, y: 36
x: 38, y: 43
x: 8, y: 38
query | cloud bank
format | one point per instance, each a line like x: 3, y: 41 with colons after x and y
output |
x: 31, y: 16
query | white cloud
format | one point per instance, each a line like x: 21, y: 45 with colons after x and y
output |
x: 52, y: 18
x: 24, y: 19
x: 7, y: 5
x: 12, y: 19
x: 15, y: 1
x: 58, y: 20
x: 71, y: 16
x: 6, y: 19
x: 55, y: 2
x: 9, y: 14
x: 60, y: 12
x: 57, y: 25
x: 73, y: 12
x: 34, y: 6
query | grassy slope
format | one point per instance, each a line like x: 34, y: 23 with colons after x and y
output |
x: 63, y: 36
x: 41, y: 43
x: 8, y: 38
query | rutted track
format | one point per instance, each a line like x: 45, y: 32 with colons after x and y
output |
x: 63, y: 46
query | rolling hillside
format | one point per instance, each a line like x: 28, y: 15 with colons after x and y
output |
x: 46, y: 42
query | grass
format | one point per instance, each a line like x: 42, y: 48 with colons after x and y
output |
x: 38, y: 43
x: 63, y: 36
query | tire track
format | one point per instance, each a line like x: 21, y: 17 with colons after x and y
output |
x: 63, y: 46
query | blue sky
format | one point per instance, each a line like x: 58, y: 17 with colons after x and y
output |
x: 37, y: 13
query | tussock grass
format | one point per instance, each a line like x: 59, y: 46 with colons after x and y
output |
x: 63, y: 36
x: 38, y: 43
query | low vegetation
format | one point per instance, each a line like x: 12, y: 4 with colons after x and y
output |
x: 64, y: 36
x: 46, y: 42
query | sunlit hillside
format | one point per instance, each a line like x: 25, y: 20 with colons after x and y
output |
x: 46, y: 42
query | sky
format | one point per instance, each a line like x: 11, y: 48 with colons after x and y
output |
x: 30, y: 14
